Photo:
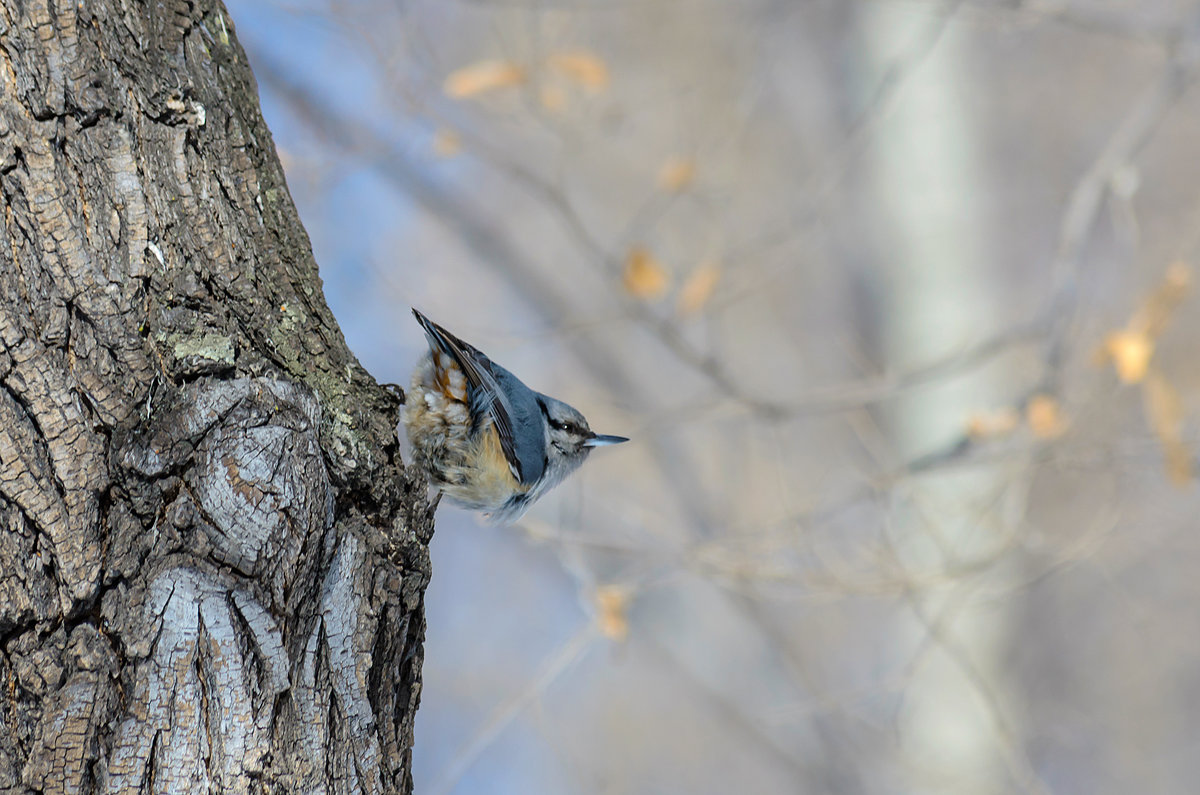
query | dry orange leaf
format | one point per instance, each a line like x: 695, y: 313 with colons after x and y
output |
x: 698, y: 289
x: 1164, y: 412
x: 676, y: 174
x: 990, y: 424
x: 645, y: 277
x: 447, y: 143
x: 612, y: 611
x: 1131, y: 349
x: 1130, y: 352
x: 482, y: 76
x: 1153, y: 315
x: 583, y: 67
x: 1044, y: 415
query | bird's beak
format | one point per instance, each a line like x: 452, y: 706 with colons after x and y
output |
x: 601, y: 440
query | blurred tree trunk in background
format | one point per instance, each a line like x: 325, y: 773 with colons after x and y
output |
x: 939, y: 293
x: 212, y: 563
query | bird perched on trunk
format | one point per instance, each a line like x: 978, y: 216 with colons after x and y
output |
x: 483, y: 438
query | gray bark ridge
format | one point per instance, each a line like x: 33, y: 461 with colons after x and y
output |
x: 212, y: 560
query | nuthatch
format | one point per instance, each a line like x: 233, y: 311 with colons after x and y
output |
x: 486, y: 440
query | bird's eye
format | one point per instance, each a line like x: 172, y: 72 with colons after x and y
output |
x: 556, y: 425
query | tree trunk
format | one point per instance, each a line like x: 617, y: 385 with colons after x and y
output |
x: 212, y: 560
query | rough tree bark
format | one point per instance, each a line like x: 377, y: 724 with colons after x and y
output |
x: 212, y: 560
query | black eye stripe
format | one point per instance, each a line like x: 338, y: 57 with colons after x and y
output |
x: 560, y: 425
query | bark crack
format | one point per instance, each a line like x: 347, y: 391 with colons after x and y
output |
x: 182, y: 560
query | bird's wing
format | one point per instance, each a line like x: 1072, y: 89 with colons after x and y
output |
x: 484, y: 391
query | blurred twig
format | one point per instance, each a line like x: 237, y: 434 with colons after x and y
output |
x: 938, y: 630
x: 1087, y: 197
x: 505, y: 713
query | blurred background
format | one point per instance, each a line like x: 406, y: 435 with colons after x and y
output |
x: 893, y: 298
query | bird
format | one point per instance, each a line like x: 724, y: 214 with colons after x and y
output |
x: 482, y: 437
